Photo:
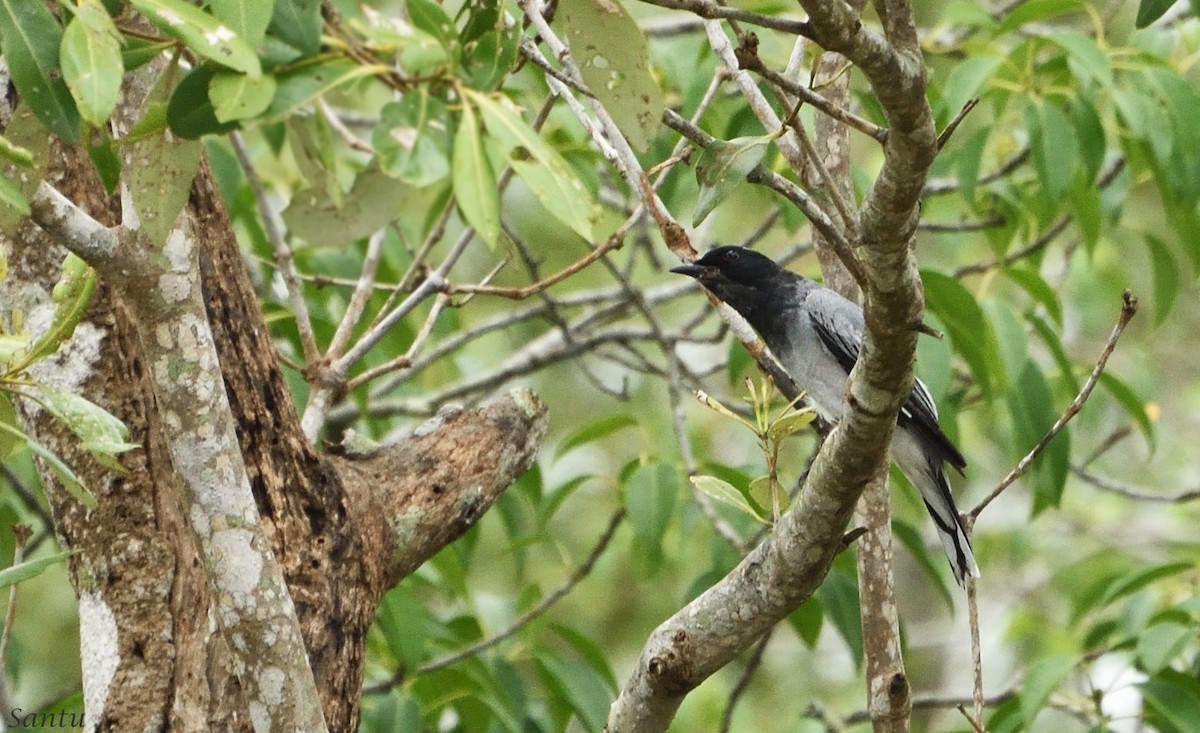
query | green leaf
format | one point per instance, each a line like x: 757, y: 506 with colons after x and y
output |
x: 202, y: 33
x: 103, y: 153
x: 614, y: 57
x: 1052, y: 144
x: 247, y: 18
x: 91, y: 61
x: 594, y: 431
x: 31, y: 38
x: 967, y: 80
x: 1044, y: 677
x: 488, y: 60
x: 969, y: 331
x: 1164, y: 641
x: 970, y: 157
x: 541, y: 167
x: 1151, y: 10
x: 1031, y: 282
x: 579, y: 686
x: 651, y: 493
x: 1137, y: 579
x: 430, y: 17
x: 1086, y: 208
x: 402, y: 620
x: 240, y: 96
x: 589, y: 650
x: 807, y: 621
x: 72, y: 295
x: 64, y: 473
x: 1089, y: 132
x: 726, y: 493
x: 101, y: 433
x: 1172, y: 700
x: 474, y: 182
x: 790, y: 424
x: 1085, y: 58
x: 1032, y: 408
x: 298, y: 24
x: 1133, y: 405
x: 190, y: 112
x: 1036, y: 10
x: 412, y: 139
x: 161, y: 185
x: 373, y: 202
x: 1166, y: 277
x: 839, y: 596
x: 30, y: 568
x: 722, y: 167
x: 11, y: 196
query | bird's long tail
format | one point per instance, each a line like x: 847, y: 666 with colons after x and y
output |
x: 935, y: 490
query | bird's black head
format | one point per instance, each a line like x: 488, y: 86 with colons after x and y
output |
x: 741, y: 277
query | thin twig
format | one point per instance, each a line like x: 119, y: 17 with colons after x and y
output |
x: 954, y: 123
x: 976, y: 651
x: 712, y: 11
x: 796, y: 89
x: 1129, y: 307
x: 285, y: 264
x: 1131, y: 492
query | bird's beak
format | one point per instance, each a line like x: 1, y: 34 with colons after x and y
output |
x: 699, y: 272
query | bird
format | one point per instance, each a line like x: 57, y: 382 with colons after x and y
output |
x: 816, y: 335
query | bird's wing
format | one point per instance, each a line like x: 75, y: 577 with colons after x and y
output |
x: 839, y: 324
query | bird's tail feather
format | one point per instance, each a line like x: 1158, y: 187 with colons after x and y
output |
x: 935, y: 490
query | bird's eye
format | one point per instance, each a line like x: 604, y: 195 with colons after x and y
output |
x: 732, y: 255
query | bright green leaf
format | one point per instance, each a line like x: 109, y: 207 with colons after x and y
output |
x: 614, y: 57
x: 31, y: 38
x: 1036, y: 10
x: 967, y: 80
x: 61, y: 470
x: 1085, y: 58
x: 1040, y: 290
x: 201, y: 32
x: 1162, y: 643
x: 11, y: 196
x: 190, y: 111
x: 101, y: 433
x: 580, y: 687
x: 91, y: 61
x: 429, y: 17
x: 1139, y: 578
x: 475, y: 184
x: 968, y: 329
x: 651, y: 493
x: 1052, y: 145
x: 240, y: 96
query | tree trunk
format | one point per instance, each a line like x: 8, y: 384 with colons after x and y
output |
x: 153, y: 656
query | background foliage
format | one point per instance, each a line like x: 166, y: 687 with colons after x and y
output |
x: 429, y: 142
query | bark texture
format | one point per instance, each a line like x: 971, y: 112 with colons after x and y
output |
x: 153, y: 660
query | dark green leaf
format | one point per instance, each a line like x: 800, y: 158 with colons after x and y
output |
x: 1166, y: 277
x: 1032, y: 409
x: 1036, y: 10
x: 614, y: 58
x: 1137, y: 579
x: 298, y: 24
x: 402, y: 619
x: 580, y: 687
x: 108, y: 163
x: 970, y: 156
x: 1089, y: 132
x: 1044, y: 677
x: 590, y: 651
x: 1133, y: 405
x: 31, y: 39
x: 1172, y: 701
x: 839, y: 596
x: 190, y: 113
x: 1040, y: 290
x: 1151, y: 10
x: 969, y: 331
x: 807, y: 621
